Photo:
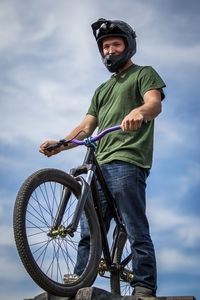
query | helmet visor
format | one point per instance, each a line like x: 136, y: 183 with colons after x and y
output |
x: 103, y: 27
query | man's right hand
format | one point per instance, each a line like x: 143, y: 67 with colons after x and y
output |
x: 47, y: 152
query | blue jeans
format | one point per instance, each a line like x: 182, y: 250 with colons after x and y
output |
x: 127, y: 184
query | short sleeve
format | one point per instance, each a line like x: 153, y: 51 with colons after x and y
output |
x: 93, y: 106
x: 148, y: 79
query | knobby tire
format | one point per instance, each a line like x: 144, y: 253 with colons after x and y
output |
x: 34, y: 212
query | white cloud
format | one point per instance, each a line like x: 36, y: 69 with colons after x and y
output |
x: 45, y: 28
x: 6, y: 233
x: 171, y: 260
x: 10, y: 27
x: 183, y: 230
x: 169, y: 55
x: 189, y: 179
x: 11, y: 270
x: 173, y: 136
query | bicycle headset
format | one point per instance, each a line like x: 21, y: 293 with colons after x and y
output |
x: 103, y: 28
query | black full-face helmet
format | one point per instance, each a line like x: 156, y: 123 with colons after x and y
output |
x: 107, y: 28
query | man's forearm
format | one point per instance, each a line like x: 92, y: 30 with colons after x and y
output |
x: 79, y: 133
x: 150, y: 110
x: 82, y: 131
x: 152, y: 106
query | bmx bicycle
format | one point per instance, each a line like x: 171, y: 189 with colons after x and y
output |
x: 46, y: 220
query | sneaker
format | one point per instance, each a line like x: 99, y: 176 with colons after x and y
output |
x: 141, y: 292
x: 69, y: 278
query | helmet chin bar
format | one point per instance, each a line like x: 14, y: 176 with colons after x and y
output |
x: 115, y: 62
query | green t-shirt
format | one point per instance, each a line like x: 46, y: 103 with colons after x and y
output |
x: 115, y: 99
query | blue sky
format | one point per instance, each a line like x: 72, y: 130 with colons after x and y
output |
x: 50, y: 67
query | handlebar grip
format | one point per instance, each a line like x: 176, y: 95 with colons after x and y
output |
x: 51, y: 147
x: 56, y: 145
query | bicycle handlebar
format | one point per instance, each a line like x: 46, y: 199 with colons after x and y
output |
x: 83, y: 142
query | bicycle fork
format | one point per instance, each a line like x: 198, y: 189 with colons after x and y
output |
x: 57, y: 228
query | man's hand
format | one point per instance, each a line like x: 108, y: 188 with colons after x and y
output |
x: 146, y: 112
x: 49, y: 153
x: 132, y: 121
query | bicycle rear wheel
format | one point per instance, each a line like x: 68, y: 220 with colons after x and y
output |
x: 120, y: 279
x: 47, y: 259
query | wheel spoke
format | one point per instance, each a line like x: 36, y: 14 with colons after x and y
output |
x: 46, y: 252
x: 54, y: 256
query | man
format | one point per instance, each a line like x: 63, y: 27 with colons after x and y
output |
x: 131, y: 97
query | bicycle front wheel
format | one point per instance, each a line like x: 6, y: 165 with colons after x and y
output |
x: 120, y: 279
x: 49, y: 259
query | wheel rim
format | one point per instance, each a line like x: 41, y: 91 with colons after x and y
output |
x: 55, y: 256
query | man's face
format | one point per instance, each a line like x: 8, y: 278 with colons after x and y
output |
x: 113, y: 46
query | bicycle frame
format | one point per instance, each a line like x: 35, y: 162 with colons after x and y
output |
x: 91, y: 168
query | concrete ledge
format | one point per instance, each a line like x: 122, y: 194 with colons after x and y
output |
x: 93, y: 293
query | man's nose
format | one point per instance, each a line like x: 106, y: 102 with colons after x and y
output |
x: 111, y: 50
